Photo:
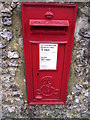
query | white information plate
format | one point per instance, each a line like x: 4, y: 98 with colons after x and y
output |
x: 48, y: 56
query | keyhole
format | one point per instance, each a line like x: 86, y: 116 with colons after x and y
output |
x: 37, y: 74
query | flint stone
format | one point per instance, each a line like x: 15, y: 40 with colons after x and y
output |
x: 79, y: 71
x: 3, y: 54
x: 83, y: 107
x: 12, y: 72
x: 7, y: 21
x: 77, y: 92
x: 10, y: 8
x: 84, y: 33
x: 69, y: 97
x: 3, y: 44
x: 13, y: 5
x: 84, y: 111
x: 85, y: 86
x: 3, y: 64
x: 11, y: 109
x: 3, y: 71
x: 19, y: 102
x: 79, y: 87
x: 7, y: 79
x: 80, y: 52
x: 83, y: 62
x: 13, y: 87
x: 13, y: 54
x: 16, y: 94
x: 86, y: 94
x: 87, y: 34
x: 6, y: 12
x: 85, y: 100
x: 6, y: 34
x: 13, y: 63
x: 84, y: 43
x: 77, y: 100
x: 85, y: 53
x: 73, y: 107
x: 86, y: 71
x: 7, y: 102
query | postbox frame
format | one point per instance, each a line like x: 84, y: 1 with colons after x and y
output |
x: 28, y: 55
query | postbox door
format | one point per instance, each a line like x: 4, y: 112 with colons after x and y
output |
x: 47, y: 67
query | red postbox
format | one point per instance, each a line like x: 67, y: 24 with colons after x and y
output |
x: 48, y: 32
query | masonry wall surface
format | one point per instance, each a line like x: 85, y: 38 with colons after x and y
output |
x: 13, y: 97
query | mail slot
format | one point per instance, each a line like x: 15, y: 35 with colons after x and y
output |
x: 48, y: 32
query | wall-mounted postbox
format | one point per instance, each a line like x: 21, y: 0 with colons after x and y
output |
x: 48, y: 32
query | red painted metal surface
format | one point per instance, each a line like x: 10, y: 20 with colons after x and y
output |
x: 54, y: 23
x: 47, y: 24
